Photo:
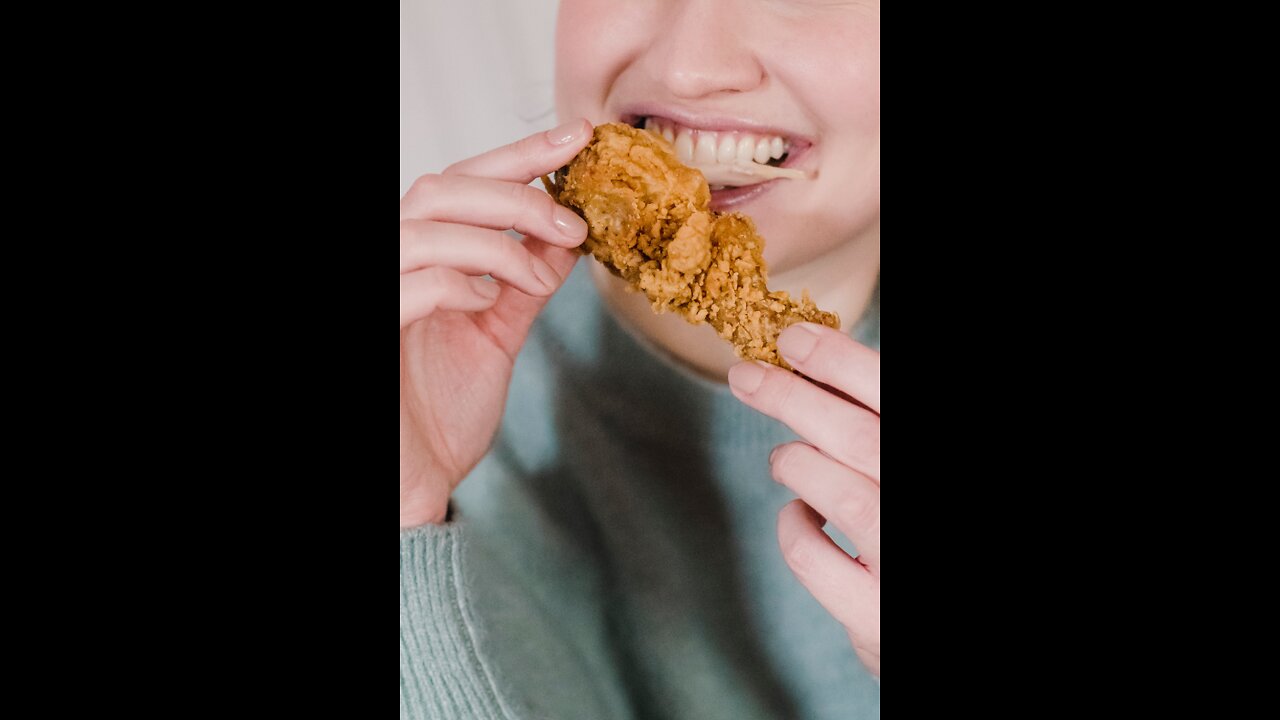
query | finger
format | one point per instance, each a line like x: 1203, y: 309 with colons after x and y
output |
x: 496, y: 205
x: 837, y: 581
x: 474, y: 251
x: 510, y: 319
x: 847, y: 498
x: 532, y: 157
x: 441, y: 288
x: 831, y: 357
x: 844, y: 431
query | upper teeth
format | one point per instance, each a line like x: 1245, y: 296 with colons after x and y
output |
x: 708, y: 147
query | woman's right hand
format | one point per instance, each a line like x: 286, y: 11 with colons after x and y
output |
x: 460, y: 333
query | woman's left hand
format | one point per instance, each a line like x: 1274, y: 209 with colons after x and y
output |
x: 836, y: 473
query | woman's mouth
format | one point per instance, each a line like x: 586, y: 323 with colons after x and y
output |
x: 729, y: 158
x: 726, y: 199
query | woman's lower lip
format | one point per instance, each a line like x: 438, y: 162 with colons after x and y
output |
x: 730, y: 198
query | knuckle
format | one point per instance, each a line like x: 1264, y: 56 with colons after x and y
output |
x: 834, y: 346
x: 425, y: 192
x: 528, y: 203
x: 406, y: 235
x: 427, y: 184
x: 511, y: 253
x: 415, y: 244
x: 864, y: 443
x: 410, y: 230
x: 437, y: 278
x: 830, y: 352
x: 511, y: 250
x: 859, y: 509
x: 420, y: 294
x: 518, y: 197
x: 433, y: 277
x: 835, y: 349
x: 780, y: 390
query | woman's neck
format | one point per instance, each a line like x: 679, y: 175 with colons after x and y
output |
x: 843, y: 281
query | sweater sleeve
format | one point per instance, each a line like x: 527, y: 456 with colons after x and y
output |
x: 503, y: 611
x: 442, y: 674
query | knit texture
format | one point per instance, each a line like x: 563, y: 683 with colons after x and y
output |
x: 441, y: 673
x: 615, y: 554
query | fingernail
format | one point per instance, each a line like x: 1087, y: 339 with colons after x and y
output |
x: 797, y: 344
x: 569, y: 223
x: 484, y: 288
x: 566, y: 133
x: 746, y: 377
x: 545, y: 273
x: 774, y: 455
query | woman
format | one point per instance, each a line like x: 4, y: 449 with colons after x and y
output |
x: 606, y: 541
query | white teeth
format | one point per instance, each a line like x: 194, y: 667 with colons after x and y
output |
x: 762, y: 151
x: 706, y: 148
x: 684, y: 147
x: 726, y: 150
x: 704, y: 153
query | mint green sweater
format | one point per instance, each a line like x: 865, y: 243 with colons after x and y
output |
x: 615, y: 554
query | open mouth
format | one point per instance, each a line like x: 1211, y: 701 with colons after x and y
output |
x: 729, y: 158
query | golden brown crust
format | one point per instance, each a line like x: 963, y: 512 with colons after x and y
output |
x: 651, y: 224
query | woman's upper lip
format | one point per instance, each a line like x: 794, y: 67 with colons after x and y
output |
x: 710, y: 121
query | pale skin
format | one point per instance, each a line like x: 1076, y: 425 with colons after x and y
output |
x: 808, y: 68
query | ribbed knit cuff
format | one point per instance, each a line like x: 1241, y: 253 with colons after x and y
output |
x: 441, y: 674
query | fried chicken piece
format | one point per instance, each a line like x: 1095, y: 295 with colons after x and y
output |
x: 651, y: 224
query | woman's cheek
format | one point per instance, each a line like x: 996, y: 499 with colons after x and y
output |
x: 595, y: 42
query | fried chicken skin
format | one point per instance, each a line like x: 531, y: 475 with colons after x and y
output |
x: 651, y: 224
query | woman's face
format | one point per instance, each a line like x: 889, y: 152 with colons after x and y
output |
x: 733, y: 73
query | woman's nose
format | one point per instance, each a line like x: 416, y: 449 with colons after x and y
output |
x: 702, y: 51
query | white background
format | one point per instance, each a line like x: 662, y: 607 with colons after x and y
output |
x: 474, y: 74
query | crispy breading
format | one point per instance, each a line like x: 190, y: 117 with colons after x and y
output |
x: 651, y: 224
